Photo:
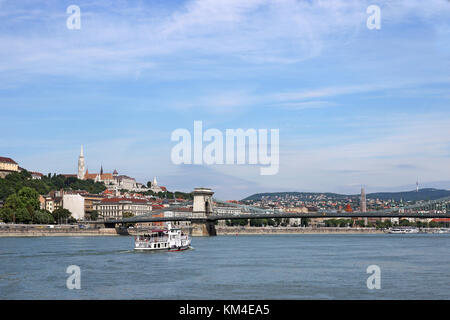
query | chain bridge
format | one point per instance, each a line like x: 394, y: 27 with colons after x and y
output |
x: 205, y: 213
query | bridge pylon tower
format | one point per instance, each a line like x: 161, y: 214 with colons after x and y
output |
x: 202, y: 208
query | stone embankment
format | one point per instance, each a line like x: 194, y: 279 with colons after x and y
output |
x: 44, y: 230
x: 22, y: 230
x: 292, y: 230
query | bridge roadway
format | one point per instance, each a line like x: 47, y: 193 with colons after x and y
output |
x: 318, y: 214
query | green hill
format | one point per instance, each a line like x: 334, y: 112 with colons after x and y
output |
x: 13, y: 182
x: 422, y: 194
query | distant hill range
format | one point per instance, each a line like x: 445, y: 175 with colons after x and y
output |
x: 423, y: 194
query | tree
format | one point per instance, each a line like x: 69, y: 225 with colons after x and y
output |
x: 14, y: 202
x: 42, y: 217
x: 94, y: 215
x: 331, y: 223
x: 128, y: 215
x: 433, y: 224
x: 23, y: 216
x: 405, y: 222
x: 6, y: 215
x: 258, y: 222
x: 305, y: 222
x: 360, y: 223
x: 61, y: 214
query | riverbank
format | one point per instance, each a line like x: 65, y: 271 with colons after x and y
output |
x: 44, y: 231
x: 293, y: 230
x: 75, y: 231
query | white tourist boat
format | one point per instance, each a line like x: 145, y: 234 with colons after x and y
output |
x: 403, y: 230
x: 172, y: 239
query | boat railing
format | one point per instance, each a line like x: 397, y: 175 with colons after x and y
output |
x: 152, y: 239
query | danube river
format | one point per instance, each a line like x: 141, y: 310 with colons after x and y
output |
x: 229, y: 267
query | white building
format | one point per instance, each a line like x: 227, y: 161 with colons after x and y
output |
x: 75, y: 204
x: 155, y: 187
x: 124, y: 182
x: 113, y: 208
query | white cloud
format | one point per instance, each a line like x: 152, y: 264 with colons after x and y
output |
x: 124, y: 42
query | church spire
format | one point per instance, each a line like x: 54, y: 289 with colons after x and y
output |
x: 101, y: 169
x: 81, y: 164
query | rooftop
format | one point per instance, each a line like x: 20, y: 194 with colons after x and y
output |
x: 7, y: 160
x: 117, y: 200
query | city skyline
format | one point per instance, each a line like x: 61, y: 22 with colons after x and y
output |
x: 353, y: 106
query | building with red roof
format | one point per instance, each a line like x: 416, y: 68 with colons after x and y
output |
x: 7, y: 166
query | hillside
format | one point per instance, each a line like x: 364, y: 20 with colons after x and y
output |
x: 423, y: 194
x: 13, y: 182
x: 300, y: 195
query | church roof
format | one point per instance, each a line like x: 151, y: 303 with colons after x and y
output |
x: 92, y: 176
x: 117, y: 200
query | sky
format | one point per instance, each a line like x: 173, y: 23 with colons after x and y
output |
x: 354, y: 106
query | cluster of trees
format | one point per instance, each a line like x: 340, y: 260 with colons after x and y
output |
x: 14, y: 182
x: 275, y: 222
x: 23, y: 206
x: 403, y: 223
x: 338, y: 222
x: 418, y: 224
x: 170, y: 195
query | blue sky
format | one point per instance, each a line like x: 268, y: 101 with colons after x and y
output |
x: 354, y: 106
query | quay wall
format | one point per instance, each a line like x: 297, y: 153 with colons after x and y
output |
x: 66, y: 231
x: 56, y: 232
x: 293, y: 230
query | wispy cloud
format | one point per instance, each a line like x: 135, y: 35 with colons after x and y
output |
x: 354, y: 106
x: 124, y: 41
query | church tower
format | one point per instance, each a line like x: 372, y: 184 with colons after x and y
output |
x: 80, y: 174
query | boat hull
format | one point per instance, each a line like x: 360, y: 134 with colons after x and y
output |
x: 164, y: 249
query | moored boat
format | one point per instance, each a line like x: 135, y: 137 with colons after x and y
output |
x: 403, y: 230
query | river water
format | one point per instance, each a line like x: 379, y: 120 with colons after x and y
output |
x: 415, y: 266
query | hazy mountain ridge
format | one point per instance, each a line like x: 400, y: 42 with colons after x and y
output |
x: 423, y: 194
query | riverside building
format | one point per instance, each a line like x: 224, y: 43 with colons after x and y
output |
x: 114, y: 208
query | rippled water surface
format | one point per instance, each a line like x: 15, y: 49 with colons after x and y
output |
x: 229, y: 267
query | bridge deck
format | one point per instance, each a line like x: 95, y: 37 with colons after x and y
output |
x: 212, y: 217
